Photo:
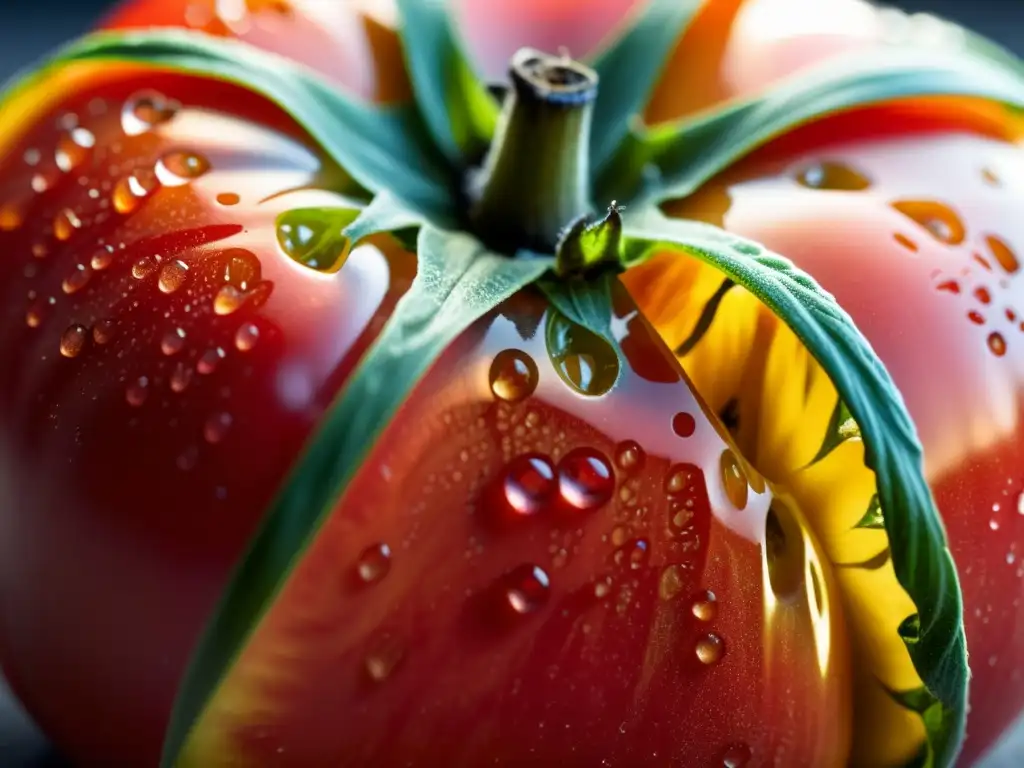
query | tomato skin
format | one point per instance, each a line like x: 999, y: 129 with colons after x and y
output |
x: 109, y: 571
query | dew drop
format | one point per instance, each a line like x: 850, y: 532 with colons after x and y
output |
x: 681, y: 478
x: 209, y: 361
x: 374, y: 563
x: 705, y: 606
x: 39, y: 183
x: 173, y: 341
x: 246, y: 337
x: 990, y: 177
x: 734, y: 479
x: 229, y: 299
x: 73, y: 148
x: 634, y: 554
x: 526, y: 589
x: 172, y: 276
x: 736, y: 756
x: 629, y: 456
x: 72, y: 340
x: 583, y: 360
x: 137, y: 391
x: 181, y: 377
x: 145, y: 110
x: 130, y: 191
x: 939, y: 220
x: 381, y: 663
x: 216, y: 427
x: 585, y: 479
x: 828, y: 174
x: 709, y: 649
x: 103, y: 331
x: 10, y: 217
x: 102, y: 259
x: 144, y: 267
x: 177, y: 168
x: 671, y: 582
x: 997, y: 344
x: 1020, y: 504
x: 1003, y: 253
x: 981, y: 294
x: 529, y: 484
x: 77, y: 280
x: 65, y: 223
x: 683, y: 424
x: 976, y: 317
x: 32, y: 157
x: 35, y: 313
x: 513, y: 375
x: 949, y: 286
x: 228, y: 198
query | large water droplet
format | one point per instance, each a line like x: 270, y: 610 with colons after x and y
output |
x: 137, y: 392
x: 381, y: 662
x: 832, y: 175
x: 216, y: 427
x: 710, y: 648
x: 65, y: 223
x: 145, y: 110
x: 173, y: 341
x: 144, y: 267
x: 734, y: 479
x: 629, y: 456
x: 583, y: 360
x: 526, y: 589
x: 181, y: 377
x: 997, y: 344
x: 705, y: 606
x: 242, y: 283
x: 102, y: 259
x: 130, y: 191
x: 172, y: 276
x: 736, y: 756
x: 671, y: 582
x: 529, y: 484
x: 312, y: 238
x: 209, y: 360
x: 374, y: 563
x: 77, y: 280
x: 681, y: 479
x: 72, y: 340
x: 73, y: 148
x: 178, y: 168
x: 246, y: 337
x: 513, y: 375
x: 585, y: 479
x: 36, y: 312
x: 103, y: 331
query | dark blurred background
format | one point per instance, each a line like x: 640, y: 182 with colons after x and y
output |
x: 29, y: 28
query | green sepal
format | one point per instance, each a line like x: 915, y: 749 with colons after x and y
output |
x: 315, y: 236
x: 923, y: 564
x: 379, y: 147
x: 457, y: 282
x: 687, y: 153
x: 629, y: 70
x: 586, y: 246
x: 841, y: 427
x: 456, y: 105
x: 874, y: 518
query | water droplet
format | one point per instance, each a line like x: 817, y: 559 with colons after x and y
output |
x: 173, y: 341
x: 130, y: 191
x: 35, y: 313
x: 736, y: 756
x: 137, y: 391
x: 981, y: 294
x: 629, y: 456
x: 102, y: 259
x: 709, y: 649
x: 172, y: 276
x: 976, y: 317
x: 832, y: 175
x: 65, y: 223
x: 997, y: 344
x: 382, y: 661
x: 216, y: 427
x: 603, y: 588
x: 145, y: 110
x: 683, y: 424
x: 681, y: 478
x: 32, y: 157
x: 990, y: 177
x: 529, y: 483
x: 526, y: 589
x: 209, y: 360
x: 583, y: 360
x: 177, y: 168
x: 77, y: 280
x: 633, y: 554
x: 72, y: 340
x: 905, y: 241
x: 1003, y: 253
x: 246, y: 337
x: 39, y: 183
x: 228, y: 198
x: 705, y: 606
x: 311, y: 239
x: 950, y: 286
x: 671, y: 582
x: 144, y: 267
x: 939, y: 220
x: 374, y: 563
x: 10, y: 217
x: 73, y: 147
x: 180, y: 378
x: 513, y: 375
x: 585, y: 479
x: 734, y: 479
x: 103, y: 331
x: 1020, y: 504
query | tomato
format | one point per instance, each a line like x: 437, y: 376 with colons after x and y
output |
x: 655, y: 571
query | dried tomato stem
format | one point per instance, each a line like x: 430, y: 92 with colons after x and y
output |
x: 536, y: 176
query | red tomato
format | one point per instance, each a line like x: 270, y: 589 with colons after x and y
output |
x: 582, y: 579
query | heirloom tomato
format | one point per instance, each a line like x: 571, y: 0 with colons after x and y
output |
x: 594, y: 382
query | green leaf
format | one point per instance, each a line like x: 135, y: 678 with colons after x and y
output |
x: 874, y: 518
x: 629, y: 69
x: 920, y: 555
x: 457, y: 282
x: 315, y: 236
x: 585, y: 246
x: 458, y: 108
x: 380, y: 147
x: 688, y: 153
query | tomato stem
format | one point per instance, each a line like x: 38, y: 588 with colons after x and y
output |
x: 536, y: 176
